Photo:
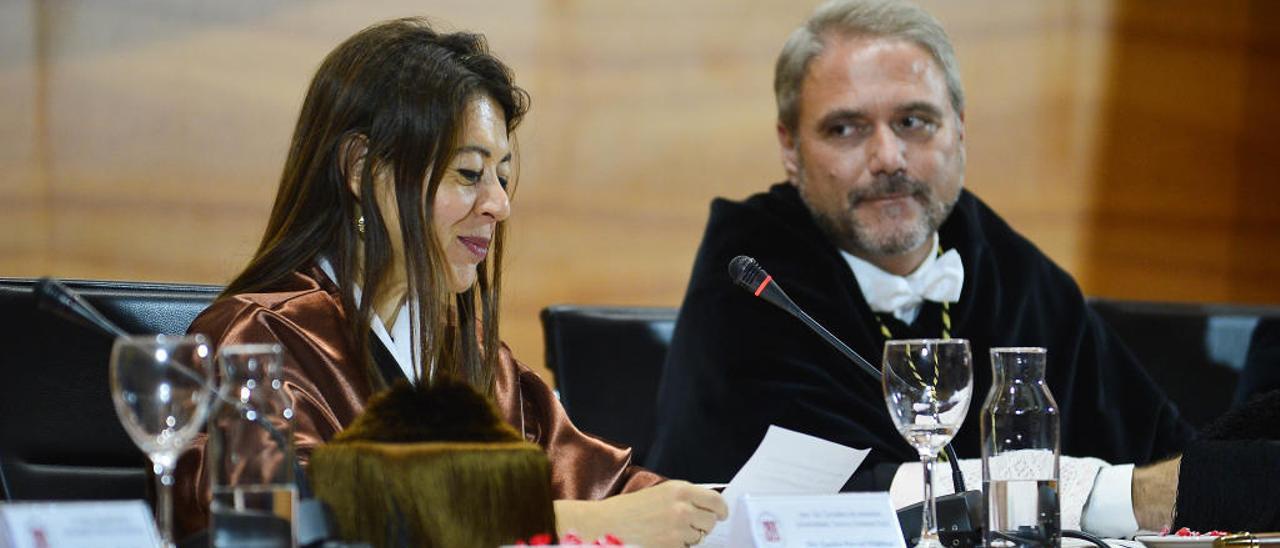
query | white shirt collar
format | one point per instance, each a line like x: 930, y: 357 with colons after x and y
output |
x: 400, y: 342
x: 938, y: 279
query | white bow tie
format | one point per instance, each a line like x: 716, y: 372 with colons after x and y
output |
x: 939, y: 280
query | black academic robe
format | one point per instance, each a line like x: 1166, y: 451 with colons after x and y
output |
x: 737, y: 364
x: 1228, y: 478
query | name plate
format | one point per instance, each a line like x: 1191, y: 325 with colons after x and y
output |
x: 97, y: 524
x: 813, y: 521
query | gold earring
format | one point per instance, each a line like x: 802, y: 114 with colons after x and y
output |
x: 360, y: 225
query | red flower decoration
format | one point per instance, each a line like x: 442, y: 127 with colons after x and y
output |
x: 570, y: 539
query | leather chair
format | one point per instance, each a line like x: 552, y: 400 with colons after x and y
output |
x: 1194, y: 351
x: 608, y: 362
x: 60, y: 438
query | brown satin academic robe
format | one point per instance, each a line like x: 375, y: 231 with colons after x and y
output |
x: 328, y: 389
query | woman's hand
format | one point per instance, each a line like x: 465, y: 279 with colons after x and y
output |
x: 671, y: 514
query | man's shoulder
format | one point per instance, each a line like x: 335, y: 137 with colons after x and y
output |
x: 760, y: 221
x: 776, y: 228
x: 781, y: 200
x: 982, y: 222
x: 989, y: 244
x: 975, y: 224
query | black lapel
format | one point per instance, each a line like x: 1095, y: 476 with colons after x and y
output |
x: 387, y: 364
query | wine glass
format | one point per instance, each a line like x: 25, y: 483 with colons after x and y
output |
x: 160, y: 386
x: 927, y: 387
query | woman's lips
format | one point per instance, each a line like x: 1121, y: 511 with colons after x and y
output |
x: 478, y: 246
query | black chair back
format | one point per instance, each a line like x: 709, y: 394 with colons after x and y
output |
x: 60, y: 438
x: 608, y: 363
x: 1194, y: 351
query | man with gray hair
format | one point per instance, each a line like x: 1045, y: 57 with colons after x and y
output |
x: 875, y: 236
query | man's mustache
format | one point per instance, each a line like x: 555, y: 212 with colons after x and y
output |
x: 888, y: 185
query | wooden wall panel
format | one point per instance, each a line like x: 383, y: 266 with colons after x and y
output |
x: 23, y: 213
x: 1187, y: 205
x: 141, y: 139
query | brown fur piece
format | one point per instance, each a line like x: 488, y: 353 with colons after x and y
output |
x: 446, y: 410
x: 434, y: 466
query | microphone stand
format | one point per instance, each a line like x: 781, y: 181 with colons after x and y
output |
x: 866, y: 367
x: 749, y: 275
x: 962, y: 511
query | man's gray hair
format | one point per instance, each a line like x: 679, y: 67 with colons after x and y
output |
x: 849, y: 18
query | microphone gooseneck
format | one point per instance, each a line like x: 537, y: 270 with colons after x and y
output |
x: 55, y: 298
x: 749, y: 275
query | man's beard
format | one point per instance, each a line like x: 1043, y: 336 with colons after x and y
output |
x: 887, y: 237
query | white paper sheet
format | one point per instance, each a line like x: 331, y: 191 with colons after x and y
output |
x: 89, y: 524
x: 844, y: 520
x: 788, y: 463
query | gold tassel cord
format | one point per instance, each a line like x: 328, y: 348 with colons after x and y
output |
x: 946, y: 336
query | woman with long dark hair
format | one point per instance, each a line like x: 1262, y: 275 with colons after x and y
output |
x: 381, y: 260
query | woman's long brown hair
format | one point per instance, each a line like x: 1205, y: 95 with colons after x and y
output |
x: 402, y: 89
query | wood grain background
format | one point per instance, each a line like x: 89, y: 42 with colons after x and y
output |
x: 1134, y: 141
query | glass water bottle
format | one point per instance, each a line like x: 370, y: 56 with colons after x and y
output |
x: 1020, y: 447
x: 251, y: 459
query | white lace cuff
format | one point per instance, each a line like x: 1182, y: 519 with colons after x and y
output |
x: 1075, y: 483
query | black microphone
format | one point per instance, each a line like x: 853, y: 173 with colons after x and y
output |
x: 60, y: 301
x: 55, y: 298
x: 749, y: 275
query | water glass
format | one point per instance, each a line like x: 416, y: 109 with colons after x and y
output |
x: 927, y: 386
x: 160, y: 385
